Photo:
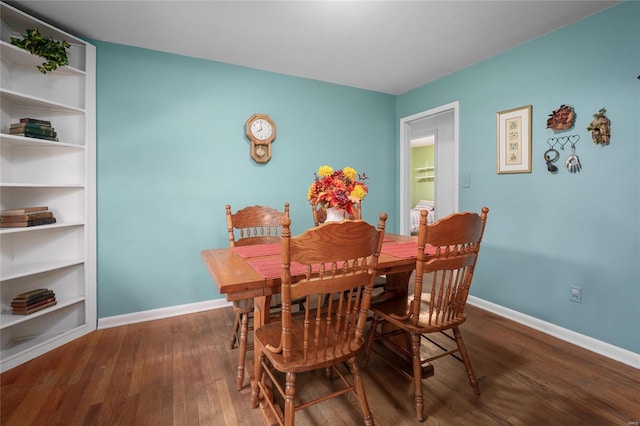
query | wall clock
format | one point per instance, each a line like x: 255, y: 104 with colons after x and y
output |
x: 261, y: 131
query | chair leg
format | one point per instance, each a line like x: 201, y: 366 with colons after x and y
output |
x: 362, y: 397
x: 370, y: 339
x: 467, y: 362
x: 255, y: 384
x: 242, y: 350
x: 417, y: 375
x: 328, y: 373
x: 290, y: 399
x: 234, y: 333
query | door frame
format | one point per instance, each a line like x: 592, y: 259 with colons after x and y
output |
x: 405, y: 161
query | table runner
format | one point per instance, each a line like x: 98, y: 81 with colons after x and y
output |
x: 265, y: 259
x: 272, y: 267
x: 406, y: 250
x: 258, y: 250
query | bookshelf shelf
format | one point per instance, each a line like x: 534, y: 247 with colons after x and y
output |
x: 18, y: 100
x: 38, y: 185
x: 9, y: 320
x: 37, y: 344
x: 40, y: 228
x: 425, y: 173
x: 57, y: 174
x: 14, y: 141
x: 33, y: 268
x: 21, y: 57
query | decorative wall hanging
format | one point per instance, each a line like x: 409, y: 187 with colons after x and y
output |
x: 561, y: 119
x: 261, y: 131
x: 600, y: 128
x: 573, y: 162
x: 514, y: 140
x: 551, y: 155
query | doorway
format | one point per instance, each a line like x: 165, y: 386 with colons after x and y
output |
x: 440, y: 123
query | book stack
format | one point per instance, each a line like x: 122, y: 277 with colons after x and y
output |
x: 28, y: 216
x: 33, y: 301
x: 34, y: 128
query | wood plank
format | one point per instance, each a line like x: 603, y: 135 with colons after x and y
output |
x: 182, y: 369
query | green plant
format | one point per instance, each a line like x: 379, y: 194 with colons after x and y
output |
x: 54, y: 51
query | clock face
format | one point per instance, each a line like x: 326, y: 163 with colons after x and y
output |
x: 261, y: 129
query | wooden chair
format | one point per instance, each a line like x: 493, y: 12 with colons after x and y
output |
x: 320, y: 215
x: 248, y: 226
x: 340, y: 260
x: 453, y: 244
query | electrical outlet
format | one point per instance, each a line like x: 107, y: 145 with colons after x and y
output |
x: 576, y: 294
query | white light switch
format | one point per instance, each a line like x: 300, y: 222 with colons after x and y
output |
x: 466, y: 180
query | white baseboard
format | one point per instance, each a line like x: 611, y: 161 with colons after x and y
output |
x: 161, y: 313
x: 589, y: 343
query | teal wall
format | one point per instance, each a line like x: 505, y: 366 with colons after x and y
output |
x: 172, y: 153
x: 547, y: 232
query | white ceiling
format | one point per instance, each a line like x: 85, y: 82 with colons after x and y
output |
x: 385, y: 46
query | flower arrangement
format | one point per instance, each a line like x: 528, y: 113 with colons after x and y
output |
x: 337, y: 188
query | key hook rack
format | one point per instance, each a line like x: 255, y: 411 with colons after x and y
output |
x: 552, y: 155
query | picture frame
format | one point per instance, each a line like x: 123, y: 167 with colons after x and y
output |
x: 513, y: 130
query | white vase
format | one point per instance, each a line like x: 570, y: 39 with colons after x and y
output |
x: 335, y: 214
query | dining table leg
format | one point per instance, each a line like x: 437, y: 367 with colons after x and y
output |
x: 397, y: 284
x: 260, y: 317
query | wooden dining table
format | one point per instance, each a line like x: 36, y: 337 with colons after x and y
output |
x: 254, y: 271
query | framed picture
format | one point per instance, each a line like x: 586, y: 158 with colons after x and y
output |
x: 514, y: 140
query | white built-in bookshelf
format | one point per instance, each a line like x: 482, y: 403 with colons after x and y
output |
x: 59, y: 175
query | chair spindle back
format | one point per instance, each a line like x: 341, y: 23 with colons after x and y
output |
x: 255, y: 225
x: 340, y: 262
x: 456, y: 240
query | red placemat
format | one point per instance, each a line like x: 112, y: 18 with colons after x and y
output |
x: 406, y: 250
x: 401, y: 250
x: 272, y: 267
x: 258, y: 250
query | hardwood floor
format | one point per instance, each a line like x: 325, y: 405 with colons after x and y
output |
x: 180, y: 371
